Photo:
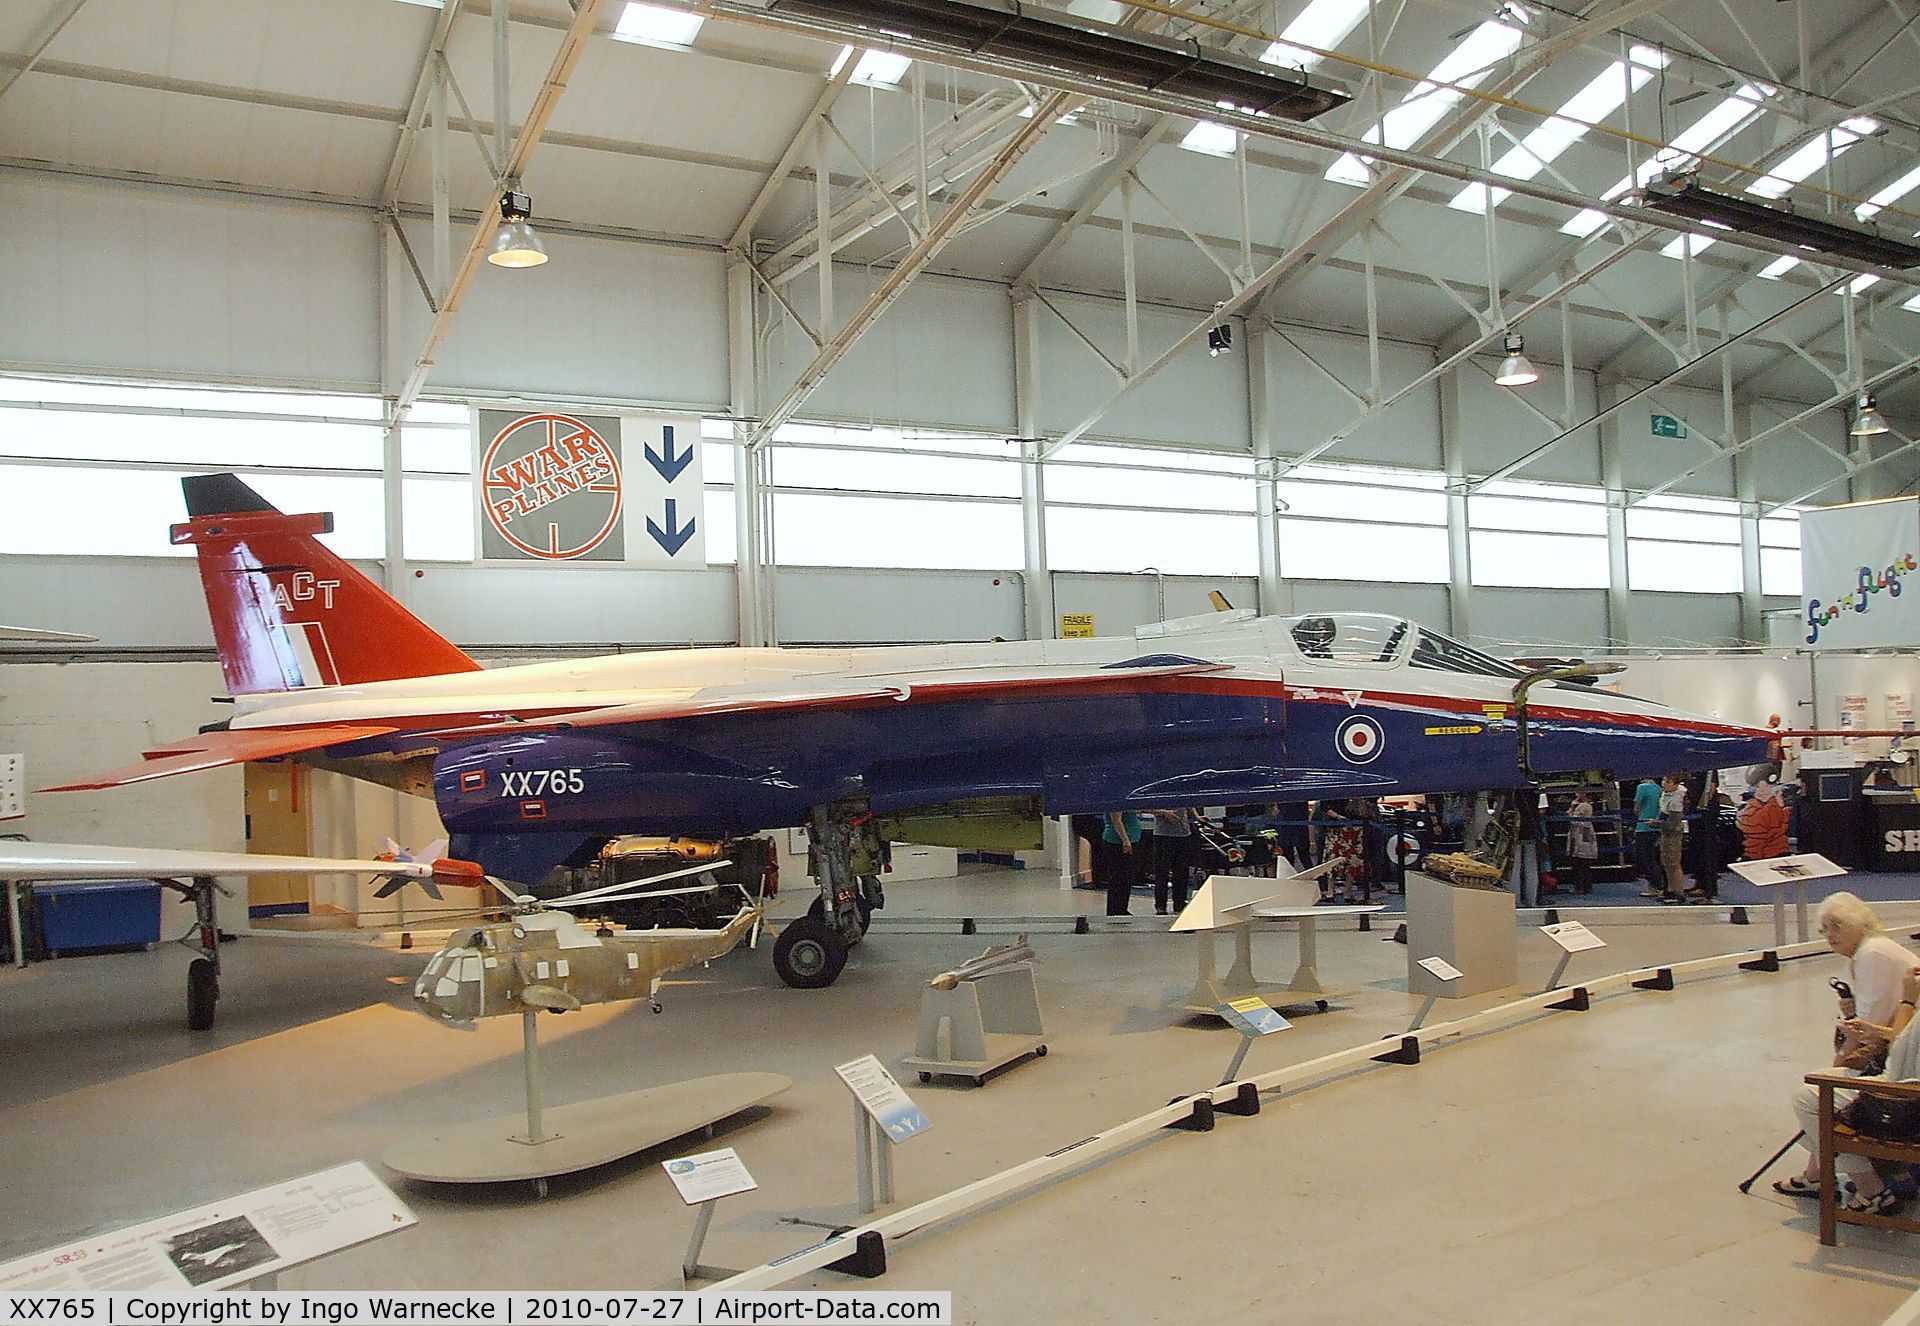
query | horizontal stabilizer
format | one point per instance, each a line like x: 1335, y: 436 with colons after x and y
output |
x: 211, y: 750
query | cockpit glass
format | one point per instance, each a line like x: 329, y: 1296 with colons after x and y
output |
x: 1433, y: 650
x: 1349, y: 637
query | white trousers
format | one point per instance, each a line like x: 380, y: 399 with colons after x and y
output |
x: 1806, y: 1108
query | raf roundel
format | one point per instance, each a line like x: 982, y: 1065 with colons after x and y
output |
x: 1360, y: 739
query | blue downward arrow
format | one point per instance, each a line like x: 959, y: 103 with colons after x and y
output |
x: 674, y: 537
x: 668, y: 466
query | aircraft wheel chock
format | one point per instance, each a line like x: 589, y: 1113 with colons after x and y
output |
x: 808, y: 956
x: 203, y: 991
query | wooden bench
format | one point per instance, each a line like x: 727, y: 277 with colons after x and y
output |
x: 1836, y: 1138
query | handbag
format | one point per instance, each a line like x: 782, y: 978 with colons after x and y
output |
x: 1882, y: 1117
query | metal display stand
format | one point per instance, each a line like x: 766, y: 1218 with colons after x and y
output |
x: 1788, y: 875
x: 983, y: 1023
x: 873, y: 1159
x: 691, y: 1267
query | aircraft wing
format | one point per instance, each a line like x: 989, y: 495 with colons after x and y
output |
x: 35, y: 635
x: 210, y: 750
x: 75, y: 861
x: 850, y: 693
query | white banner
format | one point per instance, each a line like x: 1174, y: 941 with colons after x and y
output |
x: 1856, y: 565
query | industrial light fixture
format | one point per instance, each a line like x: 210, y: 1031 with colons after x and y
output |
x: 1220, y: 335
x: 1516, y: 370
x: 515, y: 244
x: 1866, y: 418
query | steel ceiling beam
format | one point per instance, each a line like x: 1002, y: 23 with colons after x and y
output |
x: 418, y: 104
x: 63, y: 12
x: 1527, y: 458
x: 572, y: 46
x: 1353, y: 218
x: 936, y: 238
x: 802, y: 137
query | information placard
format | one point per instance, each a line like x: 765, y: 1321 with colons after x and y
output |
x: 1253, y: 1016
x: 1786, y: 869
x: 222, y: 1243
x: 1442, y: 969
x: 709, y: 1176
x: 1573, y: 936
x: 883, y: 1098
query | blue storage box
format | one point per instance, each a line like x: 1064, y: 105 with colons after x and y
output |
x: 75, y: 918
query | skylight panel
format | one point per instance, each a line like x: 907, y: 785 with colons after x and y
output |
x: 1601, y: 97
x: 1811, y: 155
x: 876, y: 68
x: 1218, y: 140
x: 1702, y: 136
x: 1779, y: 267
x: 426, y: 4
x: 1893, y: 193
x: 1912, y: 305
x: 1465, y: 66
x: 1323, y: 24
x: 1863, y: 283
x: 656, y: 25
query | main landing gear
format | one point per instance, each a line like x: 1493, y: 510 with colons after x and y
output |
x: 846, y: 855
x: 203, y: 973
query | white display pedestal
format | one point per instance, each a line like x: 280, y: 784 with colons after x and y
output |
x: 979, y: 1025
x: 1473, y: 929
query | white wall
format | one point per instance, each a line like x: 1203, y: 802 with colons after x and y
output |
x: 74, y: 720
x: 163, y: 282
x: 634, y: 322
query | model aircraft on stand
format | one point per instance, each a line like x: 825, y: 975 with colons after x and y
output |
x: 534, y: 765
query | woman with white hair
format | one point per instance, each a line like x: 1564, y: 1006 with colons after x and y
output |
x: 1880, y: 980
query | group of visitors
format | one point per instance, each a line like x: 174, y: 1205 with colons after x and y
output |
x: 1166, y: 858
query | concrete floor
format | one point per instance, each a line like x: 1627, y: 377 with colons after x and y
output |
x: 1580, y: 1168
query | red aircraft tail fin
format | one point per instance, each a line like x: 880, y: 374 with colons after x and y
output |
x: 287, y: 612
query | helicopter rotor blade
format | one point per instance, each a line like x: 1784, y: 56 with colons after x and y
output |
x: 582, y: 900
x: 625, y: 886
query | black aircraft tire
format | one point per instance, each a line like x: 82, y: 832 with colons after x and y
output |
x: 808, y: 956
x: 816, y: 911
x: 203, y: 991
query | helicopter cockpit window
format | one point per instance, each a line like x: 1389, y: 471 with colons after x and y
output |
x: 1347, y: 638
x: 1444, y: 655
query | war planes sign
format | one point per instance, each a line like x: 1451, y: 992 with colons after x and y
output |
x: 559, y: 486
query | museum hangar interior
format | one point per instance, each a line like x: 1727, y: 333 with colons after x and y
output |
x: 841, y: 450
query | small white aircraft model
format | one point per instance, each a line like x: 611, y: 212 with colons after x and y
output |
x: 192, y: 874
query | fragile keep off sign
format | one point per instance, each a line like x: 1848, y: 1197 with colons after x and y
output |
x: 566, y: 486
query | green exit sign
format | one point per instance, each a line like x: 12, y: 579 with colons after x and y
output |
x: 1665, y: 425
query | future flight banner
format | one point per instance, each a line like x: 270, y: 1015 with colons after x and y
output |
x: 568, y: 486
x: 1857, y: 567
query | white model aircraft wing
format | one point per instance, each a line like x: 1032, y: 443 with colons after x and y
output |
x: 77, y: 861
x: 34, y: 635
x: 942, y: 685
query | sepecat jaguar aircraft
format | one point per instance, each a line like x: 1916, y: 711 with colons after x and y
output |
x: 539, y: 764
